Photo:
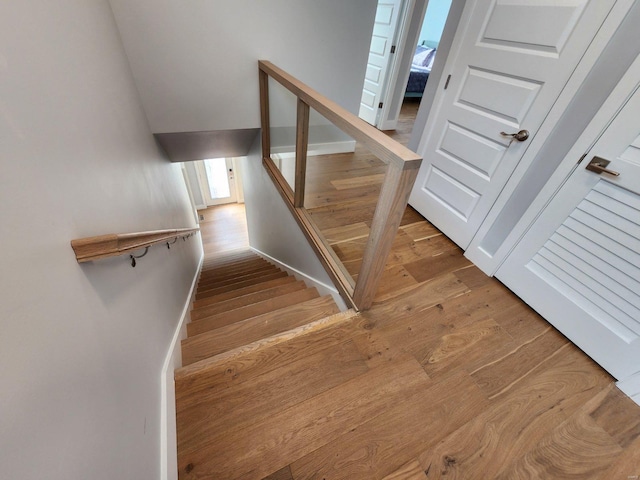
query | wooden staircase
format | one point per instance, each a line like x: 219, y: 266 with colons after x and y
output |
x: 244, y: 307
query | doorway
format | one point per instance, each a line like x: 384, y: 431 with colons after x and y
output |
x: 217, y: 181
x: 406, y: 37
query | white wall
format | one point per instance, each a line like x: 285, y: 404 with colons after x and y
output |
x: 195, y: 63
x: 81, y: 347
x: 434, y: 20
x: 273, y: 230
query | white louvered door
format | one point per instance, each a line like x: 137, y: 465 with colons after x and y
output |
x: 579, y: 264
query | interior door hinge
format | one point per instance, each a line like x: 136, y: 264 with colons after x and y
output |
x: 446, y: 84
x: 380, y: 105
x: 393, y: 49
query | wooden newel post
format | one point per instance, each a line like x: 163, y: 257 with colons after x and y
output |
x: 302, y: 140
x: 264, y: 113
x: 391, y: 205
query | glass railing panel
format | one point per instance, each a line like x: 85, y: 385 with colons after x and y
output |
x: 343, y: 183
x: 282, y: 122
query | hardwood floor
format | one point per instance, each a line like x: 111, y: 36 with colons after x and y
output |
x: 223, y: 229
x: 448, y: 376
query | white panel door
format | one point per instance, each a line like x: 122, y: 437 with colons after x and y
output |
x: 579, y: 263
x: 509, y: 64
x: 384, y: 30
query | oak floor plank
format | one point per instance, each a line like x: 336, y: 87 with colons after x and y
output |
x: 473, y: 277
x: 362, y: 180
x: 517, y: 421
x: 500, y: 375
x: 380, y: 446
x: 427, y: 268
x: 577, y: 448
x: 521, y: 322
x: 346, y: 233
x: 395, y: 279
x: 409, y: 471
x: 328, y: 198
x: 235, y: 408
x: 419, y: 299
x: 282, y: 474
x: 618, y: 415
x: 270, y: 445
x: 420, y: 230
x: 626, y: 465
x: 470, y: 346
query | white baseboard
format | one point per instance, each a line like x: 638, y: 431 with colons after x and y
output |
x: 322, y: 288
x: 173, y: 360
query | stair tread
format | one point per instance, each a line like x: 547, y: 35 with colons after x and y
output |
x: 211, y: 300
x: 249, y: 311
x: 212, y: 282
x: 244, y: 300
x: 230, y: 259
x: 245, y: 283
x: 262, y: 355
x: 240, y: 333
x: 215, y: 271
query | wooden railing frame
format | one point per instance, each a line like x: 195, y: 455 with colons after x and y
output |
x: 111, y: 245
x: 401, y: 173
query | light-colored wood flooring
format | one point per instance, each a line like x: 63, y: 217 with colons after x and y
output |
x: 448, y: 376
x: 223, y: 229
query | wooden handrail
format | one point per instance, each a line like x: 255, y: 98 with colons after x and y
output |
x: 103, y: 246
x: 401, y: 173
x: 384, y: 147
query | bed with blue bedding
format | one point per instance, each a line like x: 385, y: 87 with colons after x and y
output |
x: 420, y: 68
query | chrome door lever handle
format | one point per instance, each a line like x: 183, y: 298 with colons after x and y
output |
x: 598, y: 165
x: 520, y: 136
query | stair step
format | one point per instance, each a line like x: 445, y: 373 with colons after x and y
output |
x: 213, y: 282
x: 231, y: 258
x: 264, y: 355
x: 214, y: 279
x: 232, y: 280
x: 233, y: 269
x: 245, y: 300
x: 244, y: 283
x: 247, y: 331
x: 242, y: 291
x: 249, y: 311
